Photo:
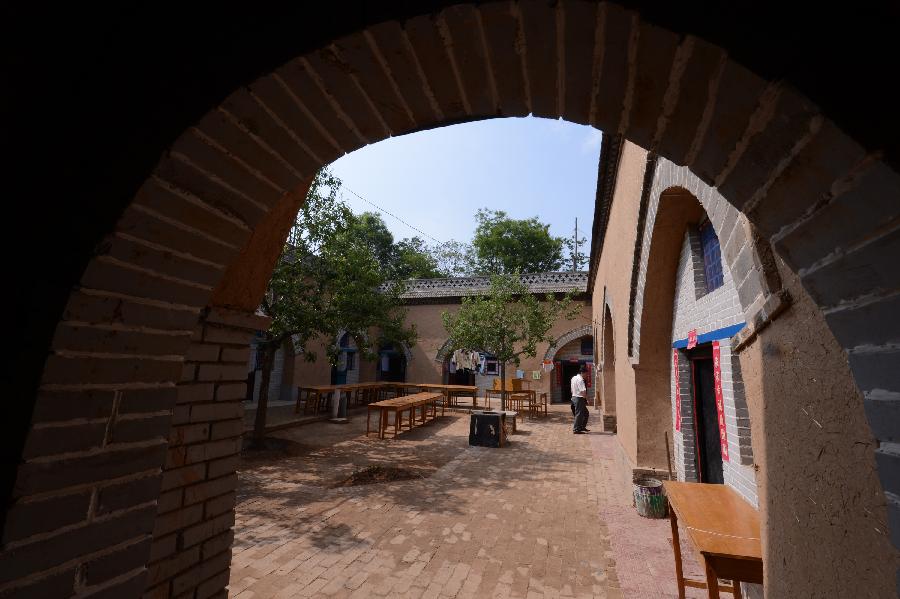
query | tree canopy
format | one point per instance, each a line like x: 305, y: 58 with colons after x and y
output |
x: 504, y: 245
x: 334, y: 275
x: 507, y: 322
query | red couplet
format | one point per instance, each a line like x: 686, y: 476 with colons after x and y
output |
x: 720, y: 404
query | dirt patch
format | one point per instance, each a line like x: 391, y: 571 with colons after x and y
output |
x: 273, y: 448
x: 377, y: 474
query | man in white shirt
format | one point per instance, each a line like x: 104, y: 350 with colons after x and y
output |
x: 579, y: 403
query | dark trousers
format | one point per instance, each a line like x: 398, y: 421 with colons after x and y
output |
x: 580, y: 412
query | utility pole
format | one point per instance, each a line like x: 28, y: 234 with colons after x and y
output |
x: 575, y: 248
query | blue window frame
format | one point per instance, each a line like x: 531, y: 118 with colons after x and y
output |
x: 712, y: 257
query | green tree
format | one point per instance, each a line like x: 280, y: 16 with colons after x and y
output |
x: 372, y: 231
x: 508, y: 322
x: 413, y: 259
x: 503, y: 245
x: 454, y: 259
x: 329, y: 278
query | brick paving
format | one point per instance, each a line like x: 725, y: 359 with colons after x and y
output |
x: 542, y: 517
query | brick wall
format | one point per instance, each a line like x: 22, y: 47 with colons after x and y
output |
x: 192, y: 535
x: 705, y: 312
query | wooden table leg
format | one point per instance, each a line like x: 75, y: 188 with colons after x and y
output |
x: 737, y: 589
x: 676, y: 549
x: 368, y: 415
x: 382, y: 424
x: 712, y: 581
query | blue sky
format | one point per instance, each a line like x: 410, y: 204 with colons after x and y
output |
x: 435, y: 180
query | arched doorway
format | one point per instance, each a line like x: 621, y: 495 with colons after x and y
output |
x: 568, y: 361
x: 607, y: 382
x: 391, y: 364
x: 169, y: 265
x: 346, y: 371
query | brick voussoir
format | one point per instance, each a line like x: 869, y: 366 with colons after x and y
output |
x: 70, y: 470
x: 82, y: 543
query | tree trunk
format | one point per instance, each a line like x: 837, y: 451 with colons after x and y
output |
x: 503, y: 386
x: 259, y: 426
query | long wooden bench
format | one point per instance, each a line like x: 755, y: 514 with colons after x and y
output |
x: 399, y: 405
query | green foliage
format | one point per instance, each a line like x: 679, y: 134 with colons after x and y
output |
x: 332, y: 277
x: 508, y: 321
x: 414, y: 260
x: 454, y: 259
x: 503, y: 245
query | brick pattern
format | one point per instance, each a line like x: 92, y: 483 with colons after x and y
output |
x: 191, y: 546
x: 121, y: 341
x: 708, y: 312
x: 754, y: 278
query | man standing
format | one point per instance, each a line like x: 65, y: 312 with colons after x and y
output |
x: 579, y: 403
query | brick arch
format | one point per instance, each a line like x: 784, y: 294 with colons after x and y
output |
x: 744, y: 254
x: 577, y: 333
x: 151, y: 340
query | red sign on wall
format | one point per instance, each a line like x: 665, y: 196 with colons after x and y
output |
x: 692, y: 339
x: 677, y: 391
x: 558, y: 368
x: 720, y: 404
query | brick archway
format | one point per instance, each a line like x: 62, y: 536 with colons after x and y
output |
x: 748, y: 260
x: 155, y: 325
x: 577, y: 333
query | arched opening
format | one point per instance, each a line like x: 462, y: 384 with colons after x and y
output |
x: 677, y: 210
x: 608, y: 373
x: 391, y: 363
x: 171, y: 267
x: 346, y: 371
x: 568, y: 360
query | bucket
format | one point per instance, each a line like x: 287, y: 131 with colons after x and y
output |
x: 649, y: 498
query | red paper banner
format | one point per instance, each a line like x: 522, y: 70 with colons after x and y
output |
x: 720, y: 404
x: 692, y: 339
x: 677, y: 391
x: 558, y: 369
x: 588, y: 374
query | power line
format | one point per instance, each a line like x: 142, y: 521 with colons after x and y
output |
x: 377, y: 207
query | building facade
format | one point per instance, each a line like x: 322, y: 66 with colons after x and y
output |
x: 708, y: 342
x: 429, y: 360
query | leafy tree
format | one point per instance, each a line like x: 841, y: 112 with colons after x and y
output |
x: 508, y: 322
x: 414, y: 260
x: 329, y: 278
x: 454, y: 259
x: 503, y: 245
x: 374, y: 233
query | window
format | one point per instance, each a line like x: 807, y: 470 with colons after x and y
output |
x: 712, y: 257
x: 587, y: 346
x: 350, y: 356
x: 491, y: 366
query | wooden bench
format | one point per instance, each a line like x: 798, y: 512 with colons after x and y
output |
x: 399, y: 405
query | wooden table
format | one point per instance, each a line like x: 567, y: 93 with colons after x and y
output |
x: 316, y: 395
x: 399, y: 405
x: 452, y: 392
x: 724, y: 530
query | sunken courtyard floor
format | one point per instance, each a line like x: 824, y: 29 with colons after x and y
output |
x: 546, y: 516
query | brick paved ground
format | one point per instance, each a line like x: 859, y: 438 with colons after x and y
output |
x: 542, y: 517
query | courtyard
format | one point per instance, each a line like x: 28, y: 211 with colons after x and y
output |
x: 549, y: 515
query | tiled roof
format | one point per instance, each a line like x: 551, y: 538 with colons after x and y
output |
x: 545, y: 282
